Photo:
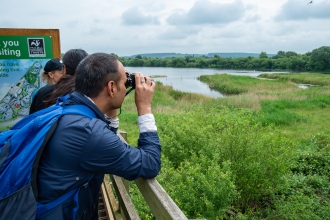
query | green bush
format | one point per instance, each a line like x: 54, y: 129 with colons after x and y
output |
x: 317, y: 160
x: 200, y: 187
x: 307, y: 193
x: 311, y: 163
x: 301, y: 207
x: 321, y: 141
x: 257, y: 156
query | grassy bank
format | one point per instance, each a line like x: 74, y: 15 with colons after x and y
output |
x: 277, y: 99
x: 262, y: 152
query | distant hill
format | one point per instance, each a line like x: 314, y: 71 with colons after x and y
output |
x: 170, y: 55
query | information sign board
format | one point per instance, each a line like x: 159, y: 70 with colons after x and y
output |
x: 23, y: 54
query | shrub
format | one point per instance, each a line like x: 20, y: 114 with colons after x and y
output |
x: 257, y: 156
x: 200, y: 187
x: 317, y: 160
x: 301, y: 207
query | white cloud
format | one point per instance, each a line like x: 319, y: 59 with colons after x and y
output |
x: 128, y: 27
x: 134, y: 16
x: 294, y: 10
x: 206, y: 12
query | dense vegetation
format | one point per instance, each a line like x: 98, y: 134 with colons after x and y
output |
x: 263, y: 153
x: 317, y: 60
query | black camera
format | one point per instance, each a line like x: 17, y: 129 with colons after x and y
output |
x: 130, y: 82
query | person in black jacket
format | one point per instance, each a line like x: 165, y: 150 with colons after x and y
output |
x: 71, y: 59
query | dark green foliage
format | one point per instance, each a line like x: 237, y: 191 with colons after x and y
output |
x: 316, y: 162
x: 307, y: 193
x: 263, y: 55
x: 313, y: 163
x: 317, y: 60
x: 299, y: 206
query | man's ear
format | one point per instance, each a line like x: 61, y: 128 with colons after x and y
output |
x: 111, y: 88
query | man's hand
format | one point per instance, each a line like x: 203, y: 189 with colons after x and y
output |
x: 144, y: 91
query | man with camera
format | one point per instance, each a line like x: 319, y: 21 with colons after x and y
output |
x: 81, y: 149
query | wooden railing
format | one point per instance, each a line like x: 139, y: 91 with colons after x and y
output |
x: 118, y: 204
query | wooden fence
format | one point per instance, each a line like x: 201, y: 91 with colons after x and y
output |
x: 116, y: 202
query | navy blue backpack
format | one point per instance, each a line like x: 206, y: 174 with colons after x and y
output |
x: 20, y: 151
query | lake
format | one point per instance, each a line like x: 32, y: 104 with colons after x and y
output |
x: 185, y: 79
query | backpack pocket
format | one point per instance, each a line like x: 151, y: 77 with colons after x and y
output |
x: 19, y: 205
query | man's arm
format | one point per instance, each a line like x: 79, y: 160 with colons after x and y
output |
x: 104, y: 152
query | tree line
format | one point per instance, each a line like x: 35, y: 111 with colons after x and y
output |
x: 317, y: 60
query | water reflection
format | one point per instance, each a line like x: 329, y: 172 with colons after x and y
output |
x: 305, y: 86
x: 189, y: 84
x: 185, y: 79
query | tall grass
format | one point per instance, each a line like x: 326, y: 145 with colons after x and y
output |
x: 304, y: 78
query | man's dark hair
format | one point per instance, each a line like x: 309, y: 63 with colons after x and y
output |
x: 94, y: 72
x: 72, y: 58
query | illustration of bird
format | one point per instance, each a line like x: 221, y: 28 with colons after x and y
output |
x: 310, y: 2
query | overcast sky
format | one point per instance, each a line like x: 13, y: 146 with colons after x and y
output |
x: 129, y: 27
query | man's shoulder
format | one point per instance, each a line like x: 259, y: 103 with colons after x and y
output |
x: 80, y: 127
x: 78, y: 120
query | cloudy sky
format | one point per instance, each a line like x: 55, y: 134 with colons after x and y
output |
x: 129, y: 27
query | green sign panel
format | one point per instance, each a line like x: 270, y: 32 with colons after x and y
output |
x: 25, y: 47
x: 22, y: 59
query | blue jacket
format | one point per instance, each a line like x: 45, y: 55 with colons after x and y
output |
x: 81, y: 148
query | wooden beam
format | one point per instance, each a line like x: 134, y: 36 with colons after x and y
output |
x: 160, y: 203
x: 125, y: 202
x: 106, y: 202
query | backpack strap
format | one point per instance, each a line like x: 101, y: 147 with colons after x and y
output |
x: 67, y: 110
x: 43, y: 208
x: 78, y: 110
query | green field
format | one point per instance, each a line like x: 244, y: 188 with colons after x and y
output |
x: 262, y: 152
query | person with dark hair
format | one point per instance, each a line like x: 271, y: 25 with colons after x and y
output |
x: 63, y: 87
x: 70, y: 60
x: 81, y: 149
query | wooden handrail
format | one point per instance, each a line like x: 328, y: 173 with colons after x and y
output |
x: 159, y: 202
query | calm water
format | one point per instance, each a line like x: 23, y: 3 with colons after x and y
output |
x: 185, y: 79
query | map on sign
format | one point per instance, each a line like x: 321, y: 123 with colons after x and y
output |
x: 16, y: 102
